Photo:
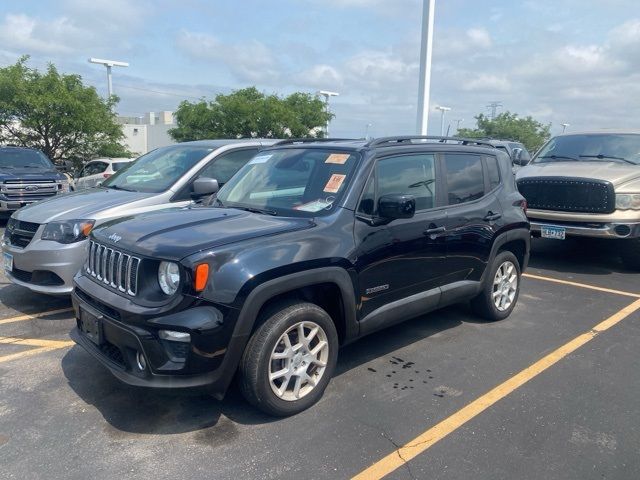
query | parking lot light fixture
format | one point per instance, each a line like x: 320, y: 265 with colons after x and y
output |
x: 108, y: 64
x: 564, y: 126
x: 326, y: 94
x: 442, y: 111
x: 426, y: 49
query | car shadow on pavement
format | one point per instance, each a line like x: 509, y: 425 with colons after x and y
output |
x: 128, y: 409
x: 573, y: 255
x: 23, y: 300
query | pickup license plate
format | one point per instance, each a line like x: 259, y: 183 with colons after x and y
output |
x: 91, y: 326
x: 7, y: 261
x: 556, y: 233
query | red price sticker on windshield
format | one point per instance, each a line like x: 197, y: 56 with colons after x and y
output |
x: 334, y: 183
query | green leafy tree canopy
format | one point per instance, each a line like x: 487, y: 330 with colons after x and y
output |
x: 249, y: 113
x: 509, y: 126
x: 57, y: 114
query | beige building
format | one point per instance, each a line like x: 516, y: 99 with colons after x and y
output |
x: 146, y: 133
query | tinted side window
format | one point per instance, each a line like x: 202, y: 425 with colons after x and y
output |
x: 465, y: 180
x: 493, y: 172
x: 408, y: 174
x: 225, y: 166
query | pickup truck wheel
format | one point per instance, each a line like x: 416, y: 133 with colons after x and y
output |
x: 630, y: 253
x: 499, y: 296
x: 289, y: 360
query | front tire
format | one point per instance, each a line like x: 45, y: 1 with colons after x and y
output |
x: 499, y: 296
x: 630, y: 253
x: 289, y: 359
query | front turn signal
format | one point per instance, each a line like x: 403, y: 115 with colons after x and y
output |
x: 201, y: 277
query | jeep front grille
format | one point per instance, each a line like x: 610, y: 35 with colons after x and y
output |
x: 568, y: 194
x: 114, y: 268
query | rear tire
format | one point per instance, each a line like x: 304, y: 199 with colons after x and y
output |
x: 289, y: 359
x: 500, y: 293
x: 630, y: 253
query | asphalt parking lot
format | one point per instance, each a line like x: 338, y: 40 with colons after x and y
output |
x: 551, y: 392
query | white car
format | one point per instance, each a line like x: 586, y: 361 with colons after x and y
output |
x: 98, y: 170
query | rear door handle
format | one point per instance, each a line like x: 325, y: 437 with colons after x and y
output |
x: 491, y: 217
x: 434, y: 230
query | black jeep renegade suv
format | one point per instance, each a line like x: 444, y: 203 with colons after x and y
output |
x: 310, y: 246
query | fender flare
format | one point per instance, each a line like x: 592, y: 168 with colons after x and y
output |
x: 271, y: 288
x: 509, y: 236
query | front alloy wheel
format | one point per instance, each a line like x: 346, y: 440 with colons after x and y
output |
x: 289, y: 359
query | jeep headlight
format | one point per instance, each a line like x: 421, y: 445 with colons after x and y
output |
x: 628, y: 201
x: 169, y: 277
x: 69, y: 231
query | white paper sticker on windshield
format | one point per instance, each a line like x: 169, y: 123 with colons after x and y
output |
x: 334, y: 183
x: 337, y: 158
x: 260, y: 159
x: 314, y: 206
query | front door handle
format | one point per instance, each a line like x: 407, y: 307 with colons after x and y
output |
x: 434, y: 230
x: 492, y: 217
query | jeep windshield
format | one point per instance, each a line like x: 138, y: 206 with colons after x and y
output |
x: 597, y: 147
x: 158, y: 170
x: 303, y: 182
x: 22, y: 158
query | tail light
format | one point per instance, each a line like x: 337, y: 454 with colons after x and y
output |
x: 522, y: 204
x: 106, y: 175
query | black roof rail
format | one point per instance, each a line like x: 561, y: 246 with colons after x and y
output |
x: 389, y: 141
x: 289, y: 141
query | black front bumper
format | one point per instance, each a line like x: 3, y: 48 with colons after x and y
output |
x: 209, y: 360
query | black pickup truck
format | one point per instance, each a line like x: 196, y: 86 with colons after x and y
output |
x: 27, y: 176
x: 309, y: 246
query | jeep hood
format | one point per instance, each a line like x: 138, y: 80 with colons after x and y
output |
x: 85, y: 204
x: 616, y: 173
x: 173, y: 234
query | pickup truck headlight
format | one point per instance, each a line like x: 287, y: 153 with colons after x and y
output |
x: 68, y: 232
x: 628, y: 201
x: 169, y: 277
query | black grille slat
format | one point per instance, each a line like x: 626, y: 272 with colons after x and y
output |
x: 114, y: 268
x: 21, y: 233
x: 568, y: 194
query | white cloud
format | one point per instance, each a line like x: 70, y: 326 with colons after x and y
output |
x: 479, y: 37
x: 487, y: 83
x: 26, y: 34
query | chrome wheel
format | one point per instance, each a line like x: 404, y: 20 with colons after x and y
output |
x: 298, y: 361
x: 505, y: 286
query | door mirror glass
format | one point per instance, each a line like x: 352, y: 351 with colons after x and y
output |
x: 394, y: 206
x: 518, y: 158
x: 204, y: 186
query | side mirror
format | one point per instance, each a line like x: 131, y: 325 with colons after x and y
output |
x: 204, y: 186
x: 517, y: 158
x: 392, y: 207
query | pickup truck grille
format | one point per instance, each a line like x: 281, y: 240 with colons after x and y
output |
x: 568, y: 194
x: 114, y: 268
x: 24, y: 190
x: 19, y: 234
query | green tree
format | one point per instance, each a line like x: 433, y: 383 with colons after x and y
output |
x: 249, y: 113
x: 509, y: 126
x: 57, y: 114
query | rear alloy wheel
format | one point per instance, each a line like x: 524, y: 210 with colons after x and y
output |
x: 289, y: 359
x: 499, y: 295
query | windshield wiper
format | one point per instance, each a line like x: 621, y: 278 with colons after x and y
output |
x: 564, y: 157
x: 264, y: 211
x: 602, y: 156
x: 116, y: 187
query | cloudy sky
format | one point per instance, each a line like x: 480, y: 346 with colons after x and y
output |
x: 574, y: 61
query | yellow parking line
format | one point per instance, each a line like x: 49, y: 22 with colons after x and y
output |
x: 33, y: 351
x: 581, y: 285
x: 35, y: 342
x: 433, y: 435
x: 33, y: 316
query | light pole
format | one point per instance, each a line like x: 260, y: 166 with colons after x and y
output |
x: 326, y: 94
x: 426, y: 49
x: 458, y: 122
x: 108, y: 64
x: 366, y: 130
x: 442, y: 110
x: 564, y: 126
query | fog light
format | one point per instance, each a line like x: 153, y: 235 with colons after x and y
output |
x: 622, y: 230
x: 174, y: 336
x: 142, y: 363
